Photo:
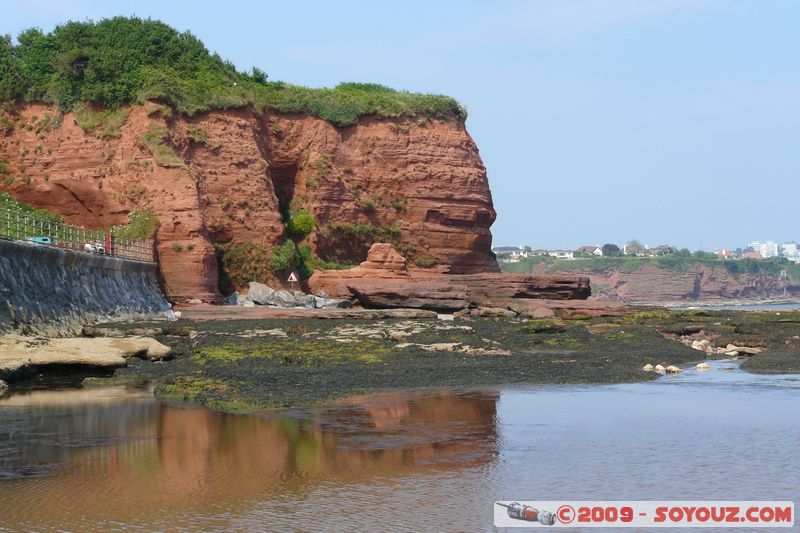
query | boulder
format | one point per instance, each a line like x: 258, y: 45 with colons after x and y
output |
x: 542, y: 308
x: 672, y: 369
x: 330, y: 303
x: 747, y: 350
x: 542, y: 312
x: 20, y: 352
x: 260, y: 293
x: 284, y: 299
x: 703, y: 367
x: 3, y: 387
x: 309, y: 301
x: 648, y: 367
x: 146, y: 348
x: 660, y: 369
x: 231, y: 299
x: 399, y: 336
x: 496, y: 312
x: 384, y: 257
x: 382, y: 294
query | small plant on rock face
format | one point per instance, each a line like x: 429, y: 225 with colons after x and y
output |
x: 196, y: 134
x: 399, y: 205
x: 424, y: 262
x: 367, y: 204
x: 176, y: 246
x: 323, y: 166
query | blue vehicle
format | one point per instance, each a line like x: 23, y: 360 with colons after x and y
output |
x: 40, y: 240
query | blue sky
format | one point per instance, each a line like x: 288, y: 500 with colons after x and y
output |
x: 669, y: 121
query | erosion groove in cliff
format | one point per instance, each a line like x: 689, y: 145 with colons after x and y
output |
x: 227, y: 177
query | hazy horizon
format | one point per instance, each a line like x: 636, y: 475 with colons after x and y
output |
x: 668, y: 121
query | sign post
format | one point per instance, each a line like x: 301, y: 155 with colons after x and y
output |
x: 292, y: 279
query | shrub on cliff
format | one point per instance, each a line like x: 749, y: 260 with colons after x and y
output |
x: 123, y: 60
x: 301, y: 223
x: 242, y: 262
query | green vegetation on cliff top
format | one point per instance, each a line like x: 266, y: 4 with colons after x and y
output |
x: 121, y: 61
x: 772, y: 267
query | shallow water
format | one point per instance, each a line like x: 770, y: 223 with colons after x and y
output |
x: 745, y: 307
x: 114, y: 459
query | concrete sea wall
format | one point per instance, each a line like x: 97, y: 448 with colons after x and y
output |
x: 52, y: 291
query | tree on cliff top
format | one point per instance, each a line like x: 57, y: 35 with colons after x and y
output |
x: 121, y: 61
x: 610, y: 250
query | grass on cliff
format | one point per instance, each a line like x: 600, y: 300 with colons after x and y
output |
x: 156, y: 139
x: 103, y: 123
x: 121, y: 61
x: 771, y: 267
x: 8, y: 202
x: 142, y: 225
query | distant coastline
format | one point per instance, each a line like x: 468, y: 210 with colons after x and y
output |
x: 677, y: 282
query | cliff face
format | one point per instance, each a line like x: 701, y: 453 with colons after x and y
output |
x: 228, y: 176
x: 650, y: 283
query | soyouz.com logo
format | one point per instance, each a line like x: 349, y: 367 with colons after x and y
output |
x: 618, y: 514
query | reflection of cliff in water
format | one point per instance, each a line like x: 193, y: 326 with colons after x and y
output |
x: 93, y: 452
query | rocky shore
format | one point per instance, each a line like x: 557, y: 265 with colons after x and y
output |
x: 245, y: 364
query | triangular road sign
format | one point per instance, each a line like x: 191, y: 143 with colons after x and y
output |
x: 292, y: 278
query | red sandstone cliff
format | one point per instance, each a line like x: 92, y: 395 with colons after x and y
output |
x: 236, y: 170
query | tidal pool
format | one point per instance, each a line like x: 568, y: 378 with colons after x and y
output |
x: 117, y: 459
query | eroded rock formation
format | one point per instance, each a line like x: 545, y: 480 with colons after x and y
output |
x: 374, y: 286
x: 227, y: 177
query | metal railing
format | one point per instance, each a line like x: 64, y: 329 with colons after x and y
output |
x: 18, y: 225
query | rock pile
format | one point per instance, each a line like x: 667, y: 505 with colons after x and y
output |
x: 661, y: 369
x: 260, y: 294
x: 730, y: 350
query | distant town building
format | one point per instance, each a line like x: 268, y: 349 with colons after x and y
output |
x: 590, y: 250
x: 765, y: 248
x: 790, y: 251
x: 509, y: 254
x: 752, y: 255
x: 561, y: 254
x: 725, y: 254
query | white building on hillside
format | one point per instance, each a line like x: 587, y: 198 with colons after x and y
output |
x: 509, y: 254
x: 766, y: 248
x: 561, y: 254
x: 790, y: 251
